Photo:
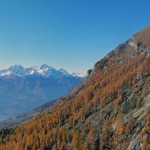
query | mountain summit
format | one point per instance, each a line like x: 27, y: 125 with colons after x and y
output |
x: 43, y: 71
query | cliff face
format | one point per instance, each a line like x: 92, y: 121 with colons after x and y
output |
x: 108, y: 110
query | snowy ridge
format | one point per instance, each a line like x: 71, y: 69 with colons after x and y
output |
x: 79, y: 74
x: 44, y: 70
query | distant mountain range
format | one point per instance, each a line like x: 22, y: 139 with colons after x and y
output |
x: 44, y: 71
x: 22, y: 88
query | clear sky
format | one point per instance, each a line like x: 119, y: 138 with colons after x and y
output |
x: 70, y: 34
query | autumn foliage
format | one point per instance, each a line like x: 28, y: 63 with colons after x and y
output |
x: 93, y: 119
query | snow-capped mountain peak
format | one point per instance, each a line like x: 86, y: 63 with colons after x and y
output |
x: 63, y: 71
x: 44, y: 70
x: 83, y: 75
x: 44, y: 66
x: 17, y: 69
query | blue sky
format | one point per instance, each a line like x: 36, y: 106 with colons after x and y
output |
x: 70, y: 34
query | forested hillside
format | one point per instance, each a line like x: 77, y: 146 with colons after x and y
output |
x: 110, y: 110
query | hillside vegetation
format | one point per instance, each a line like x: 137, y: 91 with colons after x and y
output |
x: 110, y: 110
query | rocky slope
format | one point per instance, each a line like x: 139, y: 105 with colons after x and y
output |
x: 110, y: 110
